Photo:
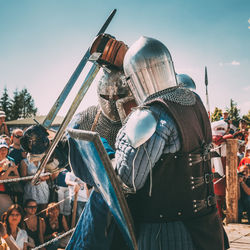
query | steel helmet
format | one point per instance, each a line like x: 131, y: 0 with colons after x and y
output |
x: 149, y: 68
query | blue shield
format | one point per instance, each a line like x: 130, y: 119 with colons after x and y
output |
x: 95, y: 168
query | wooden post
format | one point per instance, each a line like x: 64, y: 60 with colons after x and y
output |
x: 73, y: 220
x: 231, y: 181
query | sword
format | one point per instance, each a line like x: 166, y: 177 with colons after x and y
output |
x: 207, y: 100
x: 54, y: 110
x: 60, y: 100
x: 83, y: 90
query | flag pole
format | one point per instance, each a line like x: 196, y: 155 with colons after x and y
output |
x: 207, y: 99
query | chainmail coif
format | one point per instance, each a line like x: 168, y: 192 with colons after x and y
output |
x: 177, y: 94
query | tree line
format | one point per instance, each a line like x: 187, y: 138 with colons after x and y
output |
x: 234, y: 114
x: 22, y: 104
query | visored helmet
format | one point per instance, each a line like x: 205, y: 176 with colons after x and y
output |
x: 185, y: 81
x: 149, y: 68
x: 111, y: 88
x: 35, y: 140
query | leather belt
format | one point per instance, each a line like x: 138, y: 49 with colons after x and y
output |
x: 206, y: 203
x: 194, y: 159
x: 198, y: 181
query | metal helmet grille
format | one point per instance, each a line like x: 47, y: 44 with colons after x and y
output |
x: 150, y: 69
x: 110, y: 88
x: 109, y: 109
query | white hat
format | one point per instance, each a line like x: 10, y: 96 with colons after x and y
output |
x: 2, y: 113
x: 3, y: 144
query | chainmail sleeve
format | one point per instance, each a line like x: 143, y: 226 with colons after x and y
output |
x: 106, y: 129
x: 134, y: 165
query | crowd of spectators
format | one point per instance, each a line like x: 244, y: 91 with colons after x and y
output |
x: 223, y: 131
x: 34, y: 214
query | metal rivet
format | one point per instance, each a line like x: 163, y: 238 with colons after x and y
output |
x: 190, y: 164
x: 195, y: 210
x: 179, y: 213
x: 161, y: 216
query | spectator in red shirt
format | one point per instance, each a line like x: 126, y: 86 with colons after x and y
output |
x: 246, y: 159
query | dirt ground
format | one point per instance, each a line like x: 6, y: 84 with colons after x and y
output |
x: 239, y: 235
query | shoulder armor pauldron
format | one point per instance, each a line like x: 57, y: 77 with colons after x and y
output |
x: 140, y: 126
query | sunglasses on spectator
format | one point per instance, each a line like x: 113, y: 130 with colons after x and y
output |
x: 18, y: 136
x: 31, y: 207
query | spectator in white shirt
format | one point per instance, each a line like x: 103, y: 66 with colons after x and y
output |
x: 79, y: 189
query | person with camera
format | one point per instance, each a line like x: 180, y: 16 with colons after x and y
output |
x: 8, y: 170
x: 244, y: 186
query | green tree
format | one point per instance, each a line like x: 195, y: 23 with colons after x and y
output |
x: 216, y: 115
x: 22, y: 105
x: 247, y: 117
x: 234, y: 113
x: 15, y: 106
x: 5, y: 103
x: 28, y: 108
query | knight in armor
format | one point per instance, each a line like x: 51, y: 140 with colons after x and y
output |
x: 163, y: 156
x: 96, y: 228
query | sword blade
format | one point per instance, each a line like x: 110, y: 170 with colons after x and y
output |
x: 83, y: 90
x: 65, y: 92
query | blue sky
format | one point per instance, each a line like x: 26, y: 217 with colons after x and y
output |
x: 42, y: 42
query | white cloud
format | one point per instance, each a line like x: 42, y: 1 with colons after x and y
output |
x: 244, y: 107
x: 249, y: 20
x: 233, y: 63
x: 247, y: 88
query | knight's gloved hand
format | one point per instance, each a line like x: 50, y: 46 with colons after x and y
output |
x: 108, y: 148
x: 52, y: 166
x: 35, y: 157
x: 35, y: 140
